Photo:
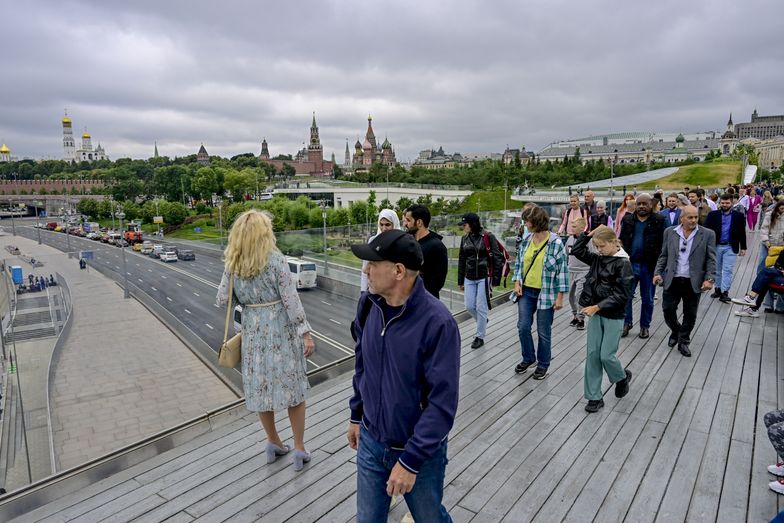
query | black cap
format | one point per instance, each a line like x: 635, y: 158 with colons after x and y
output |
x: 395, y: 246
x: 469, y: 218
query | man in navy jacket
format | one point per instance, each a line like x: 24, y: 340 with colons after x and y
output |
x: 671, y: 213
x: 730, y: 229
x: 407, y: 367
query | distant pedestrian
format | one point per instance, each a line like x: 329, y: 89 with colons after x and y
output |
x: 729, y: 228
x: 671, y: 213
x: 276, y: 336
x: 590, y: 202
x: 406, y: 378
x: 386, y: 221
x: 628, y: 206
x: 603, y: 299
x: 416, y: 220
x: 479, y: 252
x: 600, y: 216
x: 571, y: 214
x: 686, y: 268
x: 641, y: 237
x: 541, y: 277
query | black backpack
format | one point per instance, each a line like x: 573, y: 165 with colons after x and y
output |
x: 359, y: 321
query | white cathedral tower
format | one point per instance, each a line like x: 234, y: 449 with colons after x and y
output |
x: 69, y: 146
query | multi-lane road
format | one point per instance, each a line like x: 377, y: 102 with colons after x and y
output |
x: 187, y: 290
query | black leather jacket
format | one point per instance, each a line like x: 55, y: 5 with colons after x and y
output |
x: 473, y: 261
x: 609, y: 280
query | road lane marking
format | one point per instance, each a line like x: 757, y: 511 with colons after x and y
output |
x: 187, y: 311
x: 179, y: 284
x: 162, y: 276
x: 140, y: 280
x: 168, y: 298
x: 209, y: 326
x: 154, y: 289
x: 196, y: 294
x: 335, y: 321
x: 325, y: 303
x: 149, y: 270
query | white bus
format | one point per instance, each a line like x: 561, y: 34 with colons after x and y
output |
x: 304, y: 272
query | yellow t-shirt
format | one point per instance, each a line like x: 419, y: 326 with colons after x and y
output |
x: 534, y: 277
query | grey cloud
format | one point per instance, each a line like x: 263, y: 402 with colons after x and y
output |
x: 471, y: 76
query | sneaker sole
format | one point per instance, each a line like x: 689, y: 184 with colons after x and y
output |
x: 539, y: 377
x: 737, y: 301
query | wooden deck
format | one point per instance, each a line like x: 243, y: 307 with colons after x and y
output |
x: 686, y: 444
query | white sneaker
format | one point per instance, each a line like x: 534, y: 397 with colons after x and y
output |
x: 777, y: 469
x: 747, y: 312
x: 777, y: 486
x: 746, y: 300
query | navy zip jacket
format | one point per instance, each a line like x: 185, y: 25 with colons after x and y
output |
x: 406, y: 376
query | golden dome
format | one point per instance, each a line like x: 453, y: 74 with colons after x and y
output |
x: 4, y: 149
x: 66, y: 120
x: 86, y: 136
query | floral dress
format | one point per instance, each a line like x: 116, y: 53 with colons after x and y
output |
x: 273, y: 359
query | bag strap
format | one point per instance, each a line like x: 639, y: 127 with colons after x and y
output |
x: 486, y: 241
x: 228, y: 308
x: 362, y: 318
x: 536, y: 254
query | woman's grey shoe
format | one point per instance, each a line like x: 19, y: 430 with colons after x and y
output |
x: 300, y: 458
x: 273, y: 451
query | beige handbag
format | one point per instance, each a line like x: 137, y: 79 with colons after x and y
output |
x: 230, y: 350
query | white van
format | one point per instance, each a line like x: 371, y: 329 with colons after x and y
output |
x: 304, y: 272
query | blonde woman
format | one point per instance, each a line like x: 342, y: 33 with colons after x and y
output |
x: 276, y: 336
x: 605, y: 293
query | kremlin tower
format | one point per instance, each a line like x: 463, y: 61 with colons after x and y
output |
x: 69, y: 146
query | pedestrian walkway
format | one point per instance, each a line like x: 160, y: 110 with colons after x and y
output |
x: 120, y: 374
x: 686, y: 444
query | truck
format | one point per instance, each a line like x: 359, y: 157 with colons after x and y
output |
x: 133, y: 233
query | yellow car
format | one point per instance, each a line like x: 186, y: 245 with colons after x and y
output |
x: 137, y: 247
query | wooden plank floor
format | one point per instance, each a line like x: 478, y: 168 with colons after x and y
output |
x: 686, y: 444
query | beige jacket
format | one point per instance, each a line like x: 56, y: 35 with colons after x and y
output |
x: 776, y: 235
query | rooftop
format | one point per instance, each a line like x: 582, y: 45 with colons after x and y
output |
x: 688, y: 442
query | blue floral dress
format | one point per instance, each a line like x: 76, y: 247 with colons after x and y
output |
x: 273, y: 360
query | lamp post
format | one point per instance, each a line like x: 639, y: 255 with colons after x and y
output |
x: 13, y: 222
x: 121, y: 216
x: 220, y: 221
x: 37, y: 225
x: 67, y: 234
x: 158, y: 214
x: 323, y: 206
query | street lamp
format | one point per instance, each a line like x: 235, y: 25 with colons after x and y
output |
x: 67, y: 235
x: 13, y: 222
x: 220, y: 221
x: 121, y: 216
x: 323, y: 206
x: 37, y: 225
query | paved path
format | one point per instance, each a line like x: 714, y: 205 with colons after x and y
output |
x: 121, y: 374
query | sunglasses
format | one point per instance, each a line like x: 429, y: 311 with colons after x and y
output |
x: 684, y: 245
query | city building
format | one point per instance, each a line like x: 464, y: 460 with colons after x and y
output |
x: 202, y: 157
x: 368, y: 153
x: 308, y: 161
x: 509, y: 155
x: 771, y: 152
x: 432, y: 159
x: 633, y: 137
x: 84, y: 154
x: 761, y: 127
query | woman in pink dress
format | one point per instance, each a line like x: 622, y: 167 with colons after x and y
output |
x: 755, y: 207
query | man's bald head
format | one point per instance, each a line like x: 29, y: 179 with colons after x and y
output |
x: 689, y: 217
x: 643, y: 205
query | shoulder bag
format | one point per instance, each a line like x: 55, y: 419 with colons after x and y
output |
x: 230, y: 350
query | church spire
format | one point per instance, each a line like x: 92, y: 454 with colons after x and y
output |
x: 155, y: 153
x: 730, y: 120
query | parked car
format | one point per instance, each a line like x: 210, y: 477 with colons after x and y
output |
x: 168, y: 256
x: 186, y: 255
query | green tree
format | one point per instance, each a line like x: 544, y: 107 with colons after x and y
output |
x: 288, y: 171
x: 204, y: 183
x: 88, y: 207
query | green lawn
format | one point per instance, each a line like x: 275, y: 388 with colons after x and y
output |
x: 187, y: 232
x: 489, y: 201
x: 705, y: 174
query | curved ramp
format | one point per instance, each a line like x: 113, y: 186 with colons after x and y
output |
x: 749, y: 174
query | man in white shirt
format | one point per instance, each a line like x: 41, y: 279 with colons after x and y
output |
x: 686, y: 268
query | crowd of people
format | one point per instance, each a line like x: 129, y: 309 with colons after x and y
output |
x: 406, y: 379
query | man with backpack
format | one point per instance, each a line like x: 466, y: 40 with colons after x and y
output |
x: 416, y: 220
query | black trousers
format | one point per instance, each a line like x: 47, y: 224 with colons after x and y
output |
x: 680, y: 290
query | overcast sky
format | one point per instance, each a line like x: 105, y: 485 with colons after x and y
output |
x: 471, y: 76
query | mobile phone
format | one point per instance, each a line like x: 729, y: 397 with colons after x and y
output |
x: 513, y: 297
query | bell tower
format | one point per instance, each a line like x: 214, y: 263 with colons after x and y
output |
x: 315, y: 151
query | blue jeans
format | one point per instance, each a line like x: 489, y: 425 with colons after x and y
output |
x: 526, y: 306
x: 770, y: 299
x: 643, y: 277
x: 374, y: 464
x: 476, y: 304
x: 725, y: 265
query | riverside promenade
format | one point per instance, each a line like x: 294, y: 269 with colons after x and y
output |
x: 686, y: 444
x: 119, y: 375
